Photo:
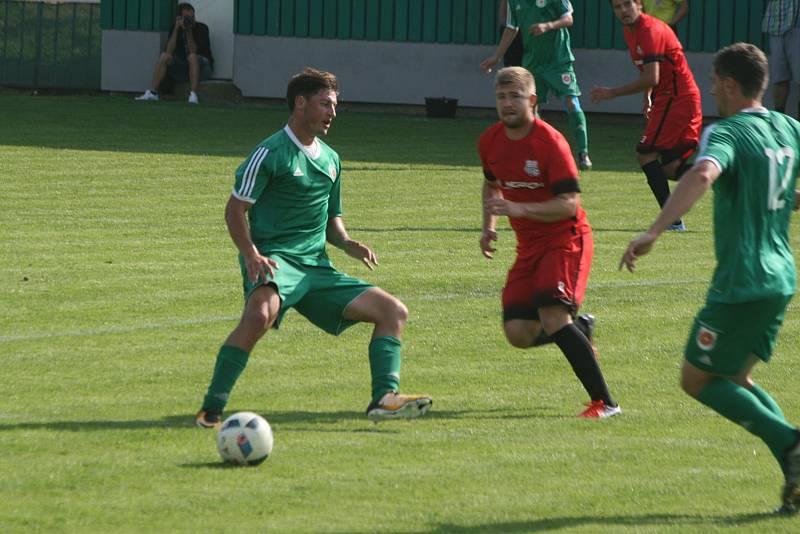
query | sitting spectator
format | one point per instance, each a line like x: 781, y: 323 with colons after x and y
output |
x: 186, y: 57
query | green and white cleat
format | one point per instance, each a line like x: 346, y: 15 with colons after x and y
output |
x: 395, y: 405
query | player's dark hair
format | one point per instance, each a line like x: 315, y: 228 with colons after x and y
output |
x: 308, y: 83
x: 747, y: 65
x: 185, y: 5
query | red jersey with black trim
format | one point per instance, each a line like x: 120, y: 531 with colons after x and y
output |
x: 652, y: 40
x: 536, y: 168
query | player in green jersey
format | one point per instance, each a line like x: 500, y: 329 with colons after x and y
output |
x: 548, y: 56
x: 284, y: 206
x: 751, y: 159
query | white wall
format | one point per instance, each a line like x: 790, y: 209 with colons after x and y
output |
x: 127, y: 59
x: 218, y: 15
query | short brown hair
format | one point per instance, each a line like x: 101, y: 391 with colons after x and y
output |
x: 515, y: 75
x: 307, y: 83
x: 747, y: 65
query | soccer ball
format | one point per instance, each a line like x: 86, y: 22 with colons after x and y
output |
x: 245, y: 439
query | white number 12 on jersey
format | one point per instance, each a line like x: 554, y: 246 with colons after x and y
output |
x: 775, y: 201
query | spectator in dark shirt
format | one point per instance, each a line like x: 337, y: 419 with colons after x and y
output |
x: 186, y: 57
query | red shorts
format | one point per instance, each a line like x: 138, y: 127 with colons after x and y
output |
x: 553, y: 276
x: 673, y: 129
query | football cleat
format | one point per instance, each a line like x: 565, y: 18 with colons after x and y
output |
x: 193, y: 98
x: 791, y: 472
x: 395, y: 405
x: 598, y: 409
x: 206, y: 419
x: 677, y: 227
x: 584, y: 163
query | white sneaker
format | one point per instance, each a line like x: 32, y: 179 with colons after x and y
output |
x: 148, y: 95
x: 193, y: 98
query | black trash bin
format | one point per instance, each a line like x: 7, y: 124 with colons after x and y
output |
x: 441, y: 108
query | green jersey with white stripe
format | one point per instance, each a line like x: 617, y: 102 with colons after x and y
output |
x: 758, y: 152
x: 294, y: 190
x: 552, y: 49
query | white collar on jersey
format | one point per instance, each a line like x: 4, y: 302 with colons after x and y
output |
x: 313, y: 151
x: 757, y: 109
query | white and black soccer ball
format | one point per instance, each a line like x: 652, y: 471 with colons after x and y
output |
x: 245, y: 438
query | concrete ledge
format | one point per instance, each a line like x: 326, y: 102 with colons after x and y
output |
x: 209, y: 92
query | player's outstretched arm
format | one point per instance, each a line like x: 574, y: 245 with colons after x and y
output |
x: 561, y: 207
x: 336, y: 235
x: 505, y: 41
x: 648, y: 79
x: 544, y: 27
x: 691, y: 188
x: 258, y: 266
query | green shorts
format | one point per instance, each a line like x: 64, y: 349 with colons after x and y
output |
x: 560, y: 80
x: 320, y: 294
x: 725, y: 335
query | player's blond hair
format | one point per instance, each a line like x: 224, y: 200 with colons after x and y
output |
x: 515, y: 76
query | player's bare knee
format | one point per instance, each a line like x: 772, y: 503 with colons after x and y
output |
x: 553, y: 318
x: 165, y: 57
x: 519, y: 338
x: 401, y: 312
x: 645, y: 158
x: 671, y: 168
x: 396, y: 312
x: 258, y: 318
x: 690, y: 387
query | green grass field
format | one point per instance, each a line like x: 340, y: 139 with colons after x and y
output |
x: 119, y: 283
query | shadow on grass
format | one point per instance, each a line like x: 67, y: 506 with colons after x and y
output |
x: 284, y: 421
x: 211, y: 465
x: 562, y: 523
x: 92, y: 123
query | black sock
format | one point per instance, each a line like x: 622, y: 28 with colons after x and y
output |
x: 579, y: 353
x: 657, y: 180
x: 580, y: 322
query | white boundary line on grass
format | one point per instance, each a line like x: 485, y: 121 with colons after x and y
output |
x: 207, y: 320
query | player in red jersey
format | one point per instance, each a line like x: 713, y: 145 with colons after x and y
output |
x: 532, y: 178
x: 671, y: 98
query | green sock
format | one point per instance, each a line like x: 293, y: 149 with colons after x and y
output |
x: 767, y: 401
x: 577, y: 123
x: 384, y: 365
x: 739, y: 405
x: 231, y: 361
